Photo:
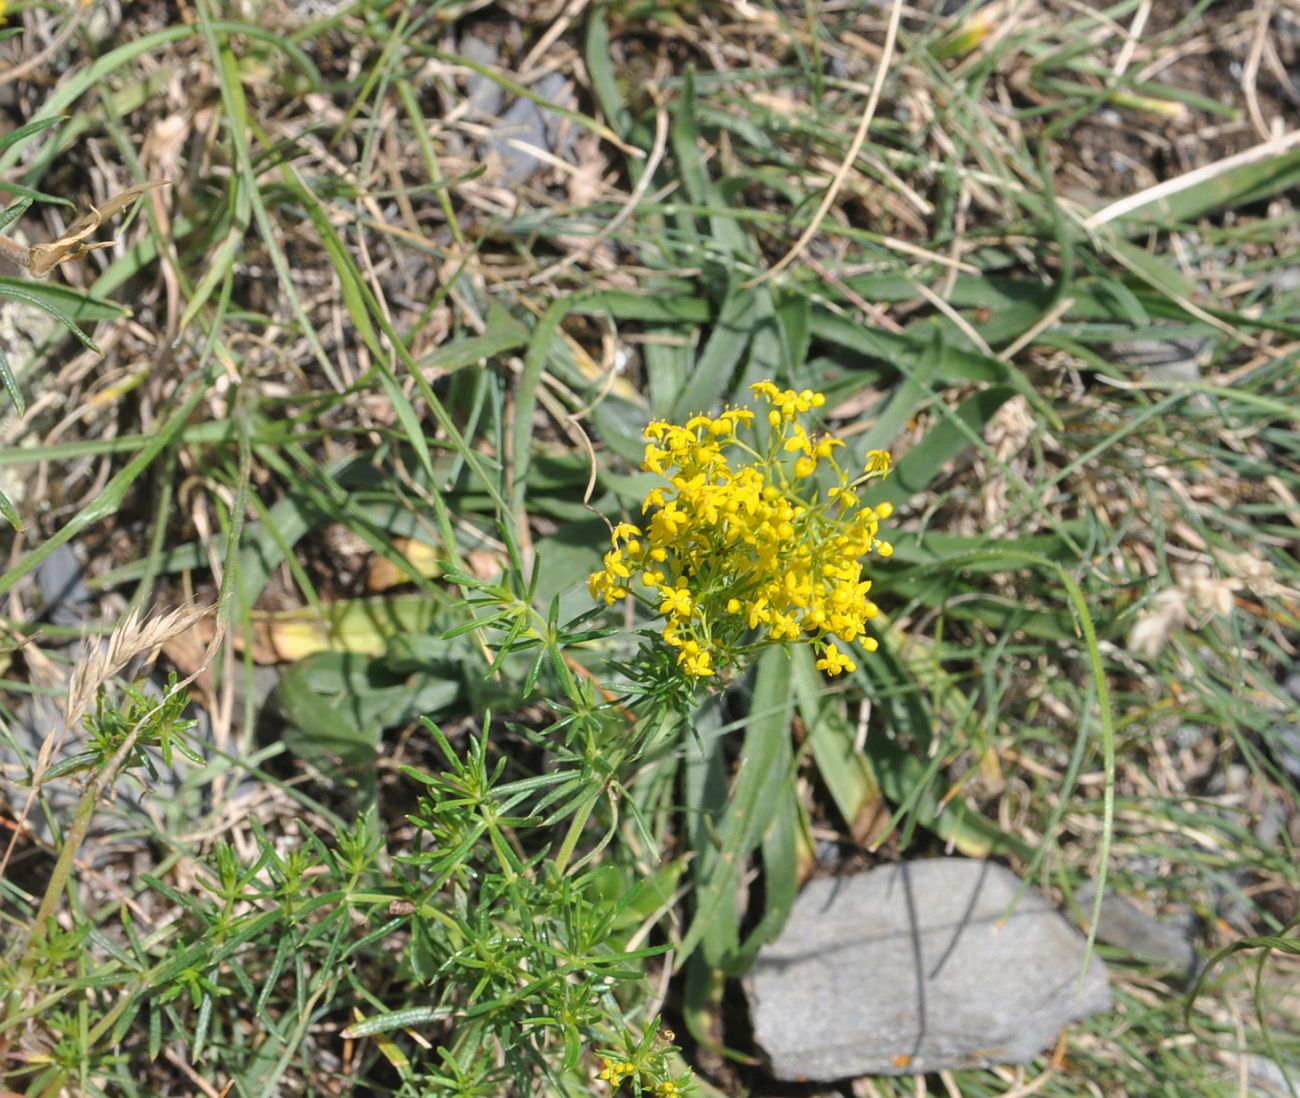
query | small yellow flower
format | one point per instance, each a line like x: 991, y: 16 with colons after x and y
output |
x: 834, y: 661
x: 676, y: 602
x: 614, y: 1072
x: 696, y: 660
x: 622, y: 530
x: 742, y: 548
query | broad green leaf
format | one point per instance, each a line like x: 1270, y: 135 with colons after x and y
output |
x: 910, y: 397
x: 944, y: 441
x: 676, y: 308
x: 1246, y: 183
x: 936, y: 549
x: 793, y: 313
x: 845, y: 770
x: 340, y: 702
x: 899, y: 746
x: 966, y: 603
x: 780, y: 850
x: 503, y: 333
x: 956, y: 365
x: 709, y: 377
x: 763, y: 781
x: 706, y: 788
x: 668, y: 364
x: 1155, y: 270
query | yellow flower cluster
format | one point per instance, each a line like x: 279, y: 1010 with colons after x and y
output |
x: 614, y: 1072
x: 743, y: 548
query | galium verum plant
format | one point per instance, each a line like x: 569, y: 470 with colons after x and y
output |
x: 757, y: 539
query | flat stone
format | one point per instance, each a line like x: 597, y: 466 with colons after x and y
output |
x: 525, y: 126
x: 1266, y: 1079
x: 1162, y: 360
x: 65, y: 598
x: 913, y: 968
x: 484, y: 94
x: 1127, y: 926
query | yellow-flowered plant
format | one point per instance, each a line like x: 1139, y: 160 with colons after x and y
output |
x: 614, y: 1072
x: 743, y: 547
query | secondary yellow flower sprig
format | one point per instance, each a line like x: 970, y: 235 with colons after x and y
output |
x: 743, y: 548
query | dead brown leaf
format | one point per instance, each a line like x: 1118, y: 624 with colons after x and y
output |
x: 40, y: 259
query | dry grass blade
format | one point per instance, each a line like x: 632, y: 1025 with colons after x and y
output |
x: 634, y: 199
x: 846, y: 165
x: 1180, y: 183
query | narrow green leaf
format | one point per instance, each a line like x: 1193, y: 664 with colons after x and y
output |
x: 517, y: 89
x: 10, y: 513
x: 107, y: 502
x: 53, y: 297
x: 12, y: 213
x: 11, y: 384
x: 24, y: 132
x: 39, y: 301
x: 604, y: 82
x: 398, y: 1019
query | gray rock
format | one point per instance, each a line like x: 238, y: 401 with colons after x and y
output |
x: 180, y: 789
x: 1162, y: 360
x: 1266, y: 1079
x: 1287, y: 280
x: 526, y: 124
x: 318, y: 9
x: 65, y: 598
x: 484, y: 94
x: 1284, y: 739
x: 1125, y: 925
x: 911, y: 968
x: 523, y: 123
